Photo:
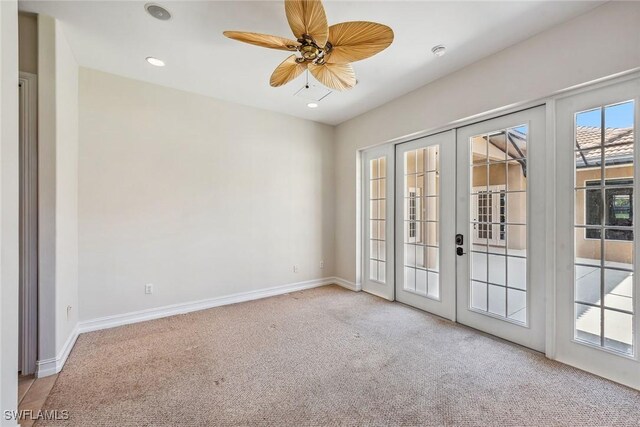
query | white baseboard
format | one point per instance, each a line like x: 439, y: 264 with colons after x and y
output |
x: 174, y: 309
x: 356, y: 287
x: 51, y: 366
x: 54, y: 365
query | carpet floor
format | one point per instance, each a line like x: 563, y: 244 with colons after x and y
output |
x: 325, y: 356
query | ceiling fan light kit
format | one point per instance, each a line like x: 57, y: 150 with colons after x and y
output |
x: 326, y: 51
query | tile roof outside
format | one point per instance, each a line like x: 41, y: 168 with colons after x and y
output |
x: 618, y: 146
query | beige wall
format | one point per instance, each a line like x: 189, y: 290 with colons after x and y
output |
x: 28, y: 42
x: 617, y: 251
x: 550, y: 61
x: 201, y: 198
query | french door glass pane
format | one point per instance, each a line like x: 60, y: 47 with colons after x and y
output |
x: 421, y: 196
x: 604, y: 238
x: 498, y: 223
x: 377, y: 217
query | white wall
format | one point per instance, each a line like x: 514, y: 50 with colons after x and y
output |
x: 66, y: 190
x: 57, y: 190
x: 8, y: 208
x: 598, y: 44
x: 201, y: 198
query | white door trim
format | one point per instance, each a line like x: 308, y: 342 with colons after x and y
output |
x: 28, y: 290
x: 512, y: 108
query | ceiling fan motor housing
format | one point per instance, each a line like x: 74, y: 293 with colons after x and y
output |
x: 309, y: 52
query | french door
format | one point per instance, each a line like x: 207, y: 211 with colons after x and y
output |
x: 469, y: 226
x: 500, y: 221
x: 424, y: 207
x: 597, y: 327
x: 487, y: 216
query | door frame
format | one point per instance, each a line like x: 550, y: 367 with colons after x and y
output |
x: 28, y: 228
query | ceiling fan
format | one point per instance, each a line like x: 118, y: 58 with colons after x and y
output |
x: 325, y: 51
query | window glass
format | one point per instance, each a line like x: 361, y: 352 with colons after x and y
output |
x: 377, y: 218
x: 604, y: 238
x: 421, y: 221
x: 498, y: 170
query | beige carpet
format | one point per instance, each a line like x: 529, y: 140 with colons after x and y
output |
x: 326, y: 356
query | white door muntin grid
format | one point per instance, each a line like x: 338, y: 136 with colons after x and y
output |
x: 378, y: 215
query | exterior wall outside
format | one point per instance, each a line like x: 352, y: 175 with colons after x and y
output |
x: 516, y: 205
x: 617, y: 251
x: 426, y: 206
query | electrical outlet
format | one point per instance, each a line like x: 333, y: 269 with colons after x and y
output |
x: 295, y: 268
x: 148, y: 288
x: 321, y: 265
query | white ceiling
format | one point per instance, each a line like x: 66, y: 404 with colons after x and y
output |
x: 116, y: 36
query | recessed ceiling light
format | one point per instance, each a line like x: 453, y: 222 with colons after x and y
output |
x: 157, y: 12
x: 439, y: 50
x: 312, y: 105
x: 155, y: 61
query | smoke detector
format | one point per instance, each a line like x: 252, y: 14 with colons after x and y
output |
x: 155, y: 61
x: 439, y: 50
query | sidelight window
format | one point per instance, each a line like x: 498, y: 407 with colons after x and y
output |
x: 377, y: 219
x: 604, y: 228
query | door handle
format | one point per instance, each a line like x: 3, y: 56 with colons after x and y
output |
x: 459, y: 243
